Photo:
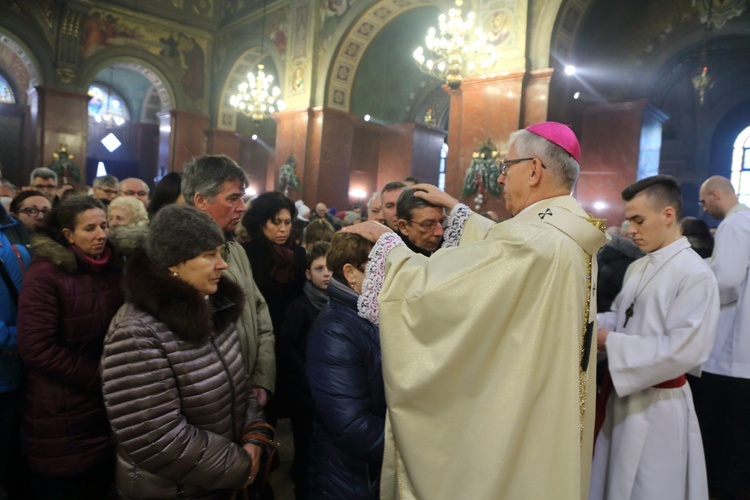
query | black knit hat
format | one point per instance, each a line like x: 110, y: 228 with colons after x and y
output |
x: 179, y: 233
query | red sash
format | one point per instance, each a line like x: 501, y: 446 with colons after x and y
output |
x: 606, y: 390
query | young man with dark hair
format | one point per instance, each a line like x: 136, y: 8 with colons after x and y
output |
x: 661, y: 326
x: 389, y: 196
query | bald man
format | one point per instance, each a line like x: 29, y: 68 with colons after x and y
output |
x: 722, y: 394
x: 136, y: 188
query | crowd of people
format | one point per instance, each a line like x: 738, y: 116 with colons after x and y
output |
x: 151, y: 341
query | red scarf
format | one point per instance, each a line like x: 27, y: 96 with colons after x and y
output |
x: 283, y: 263
x: 95, y: 265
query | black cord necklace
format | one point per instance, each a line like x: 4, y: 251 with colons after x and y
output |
x: 629, y: 311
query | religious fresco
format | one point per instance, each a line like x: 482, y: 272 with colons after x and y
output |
x: 297, y: 80
x: 301, y: 15
x: 331, y: 13
x: 277, y: 32
x: 183, y: 53
x: 16, y: 70
x: 635, y: 41
x: 505, y: 26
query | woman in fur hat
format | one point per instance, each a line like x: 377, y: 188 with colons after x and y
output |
x: 186, y: 420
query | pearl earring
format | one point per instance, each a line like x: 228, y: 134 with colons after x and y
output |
x: 175, y: 275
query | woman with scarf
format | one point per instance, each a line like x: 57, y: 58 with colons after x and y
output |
x: 278, y: 264
x: 69, y: 295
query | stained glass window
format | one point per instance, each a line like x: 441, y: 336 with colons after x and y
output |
x: 6, y: 94
x: 107, y: 106
x: 443, y: 159
x: 741, y: 166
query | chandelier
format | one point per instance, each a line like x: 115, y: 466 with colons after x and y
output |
x: 258, y: 97
x: 460, y: 50
x: 703, y: 82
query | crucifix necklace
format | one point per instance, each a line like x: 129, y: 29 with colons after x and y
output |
x: 629, y: 311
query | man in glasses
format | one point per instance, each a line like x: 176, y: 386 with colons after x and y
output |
x: 420, y: 223
x: 30, y: 207
x: 105, y: 188
x: 44, y: 180
x: 487, y: 344
x: 136, y: 188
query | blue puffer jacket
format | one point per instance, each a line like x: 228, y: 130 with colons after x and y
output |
x: 346, y: 382
x: 10, y: 362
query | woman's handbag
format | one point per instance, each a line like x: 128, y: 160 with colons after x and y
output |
x: 263, y: 435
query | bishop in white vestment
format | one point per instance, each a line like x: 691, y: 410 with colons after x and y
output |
x: 485, y: 346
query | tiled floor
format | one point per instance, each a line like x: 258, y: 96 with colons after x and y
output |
x: 283, y: 488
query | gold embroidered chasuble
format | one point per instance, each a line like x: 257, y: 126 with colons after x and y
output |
x: 482, y: 351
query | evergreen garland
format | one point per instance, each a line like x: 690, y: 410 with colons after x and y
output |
x: 481, y: 177
x: 288, y: 176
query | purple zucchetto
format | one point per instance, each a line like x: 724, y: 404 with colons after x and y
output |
x: 559, y: 134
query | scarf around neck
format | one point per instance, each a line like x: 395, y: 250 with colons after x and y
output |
x: 283, y: 263
x: 95, y: 265
x: 317, y: 298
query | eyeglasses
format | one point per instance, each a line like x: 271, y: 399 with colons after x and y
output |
x: 429, y: 225
x: 506, y: 164
x: 110, y: 192
x: 33, y: 211
x: 39, y: 187
x: 134, y: 193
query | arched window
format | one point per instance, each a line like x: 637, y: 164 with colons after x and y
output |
x: 741, y: 166
x: 443, y: 159
x: 107, y: 106
x: 6, y: 94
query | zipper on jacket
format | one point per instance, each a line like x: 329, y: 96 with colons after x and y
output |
x: 231, y: 383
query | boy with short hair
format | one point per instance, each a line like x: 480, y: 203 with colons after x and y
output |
x: 291, y: 346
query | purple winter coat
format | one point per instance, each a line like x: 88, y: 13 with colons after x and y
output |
x: 64, y: 311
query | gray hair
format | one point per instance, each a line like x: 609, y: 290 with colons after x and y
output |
x: 106, y: 180
x: 206, y: 175
x: 372, y: 199
x: 44, y: 173
x: 408, y: 202
x: 138, y: 214
x: 558, y: 161
x: 145, y: 186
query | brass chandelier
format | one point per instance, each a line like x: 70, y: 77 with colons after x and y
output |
x: 460, y: 49
x: 258, y: 97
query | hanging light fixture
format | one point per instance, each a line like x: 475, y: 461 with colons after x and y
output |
x: 107, y: 117
x: 460, y: 50
x: 703, y: 82
x: 258, y: 98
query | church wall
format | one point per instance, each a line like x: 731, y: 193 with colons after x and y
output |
x: 13, y: 121
x: 365, y: 152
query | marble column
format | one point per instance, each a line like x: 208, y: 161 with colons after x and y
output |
x: 481, y: 109
x: 620, y: 143
x: 60, y: 117
x: 182, y: 136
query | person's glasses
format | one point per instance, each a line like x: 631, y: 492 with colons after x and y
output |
x: 134, y: 193
x: 33, y: 211
x: 429, y: 225
x: 109, y: 192
x: 506, y: 164
x: 40, y: 187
